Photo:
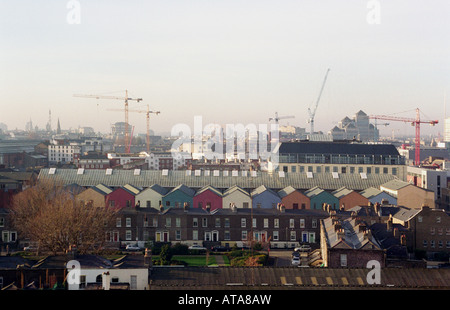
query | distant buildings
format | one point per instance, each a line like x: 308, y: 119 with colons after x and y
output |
x: 357, y: 128
x: 341, y: 158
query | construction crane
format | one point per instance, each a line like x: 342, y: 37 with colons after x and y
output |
x: 125, y: 99
x: 277, y: 118
x: 414, y: 122
x: 312, y: 113
x: 148, y: 112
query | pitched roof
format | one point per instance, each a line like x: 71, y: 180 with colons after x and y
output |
x: 286, y: 191
x: 233, y: 189
x: 173, y: 178
x: 210, y: 188
x: 184, y: 189
x: 341, y: 192
x: 371, y: 192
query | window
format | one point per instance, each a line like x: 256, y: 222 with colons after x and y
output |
x: 195, y: 235
x: 149, y: 204
x: 254, y: 223
x: 195, y: 222
x: 226, y: 235
x: 244, y: 235
x: 438, y: 219
x: 276, y: 223
x: 128, y: 235
x: 266, y: 223
x: 291, y: 223
x: 258, y: 205
x: 243, y: 222
x: 168, y: 222
x: 314, y: 223
x: 178, y: 235
x: 275, y: 235
x: 118, y: 222
x: 302, y: 223
x: 155, y: 222
x: 343, y: 258
x: 293, y: 235
x: 419, y: 219
x: 204, y: 222
x: 432, y: 230
x: 245, y: 205
x: 227, y: 222
x: 424, y: 243
x: 128, y: 222
x: 432, y: 243
x: 177, y: 222
x: 217, y: 222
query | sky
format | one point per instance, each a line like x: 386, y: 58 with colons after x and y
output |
x: 228, y: 61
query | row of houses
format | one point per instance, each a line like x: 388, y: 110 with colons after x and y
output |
x: 211, y: 198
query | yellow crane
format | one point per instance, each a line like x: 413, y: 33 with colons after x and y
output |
x: 148, y: 112
x: 125, y: 99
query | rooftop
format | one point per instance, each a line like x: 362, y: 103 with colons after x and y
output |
x: 173, y: 178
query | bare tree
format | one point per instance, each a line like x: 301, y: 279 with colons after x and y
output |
x: 49, y: 215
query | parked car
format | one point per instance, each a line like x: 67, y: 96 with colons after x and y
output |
x: 295, y: 254
x: 30, y: 248
x: 295, y: 260
x: 131, y: 247
x: 303, y: 248
x: 220, y: 248
x: 197, y: 247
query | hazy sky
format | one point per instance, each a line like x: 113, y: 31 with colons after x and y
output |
x: 230, y: 61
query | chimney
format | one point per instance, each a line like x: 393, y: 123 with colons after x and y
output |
x: 186, y: 207
x: 362, y: 227
x: 403, y: 239
x: 389, y: 223
x: 377, y: 207
x: 340, y: 233
x: 233, y: 207
x: 396, y: 234
x: 282, y: 208
x: 106, y: 282
x: 161, y: 208
x: 368, y: 235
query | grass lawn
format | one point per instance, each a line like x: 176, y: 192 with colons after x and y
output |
x: 195, y: 260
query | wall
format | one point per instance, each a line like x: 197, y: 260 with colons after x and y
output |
x: 298, y: 198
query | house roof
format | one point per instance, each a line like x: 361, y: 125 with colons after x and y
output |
x: 371, y: 192
x: 341, y: 192
x: 395, y: 184
x: 184, y: 189
x: 312, y: 147
x: 210, y: 188
x: 288, y: 278
x: 159, y: 189
x: 233, y: 189
x: 173, y: 178
x: 261, y: 189
x: 405, y: 215
x: 286, y: 191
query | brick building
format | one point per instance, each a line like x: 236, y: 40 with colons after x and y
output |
x: 236, y: 226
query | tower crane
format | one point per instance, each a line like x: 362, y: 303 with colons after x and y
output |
x: 277, y: 118
x: 312, y: 113
x: 125, y: 99
x: 148, y: 112
x: 414, y: 122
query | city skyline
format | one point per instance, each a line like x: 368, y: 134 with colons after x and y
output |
x: 229, y: 62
